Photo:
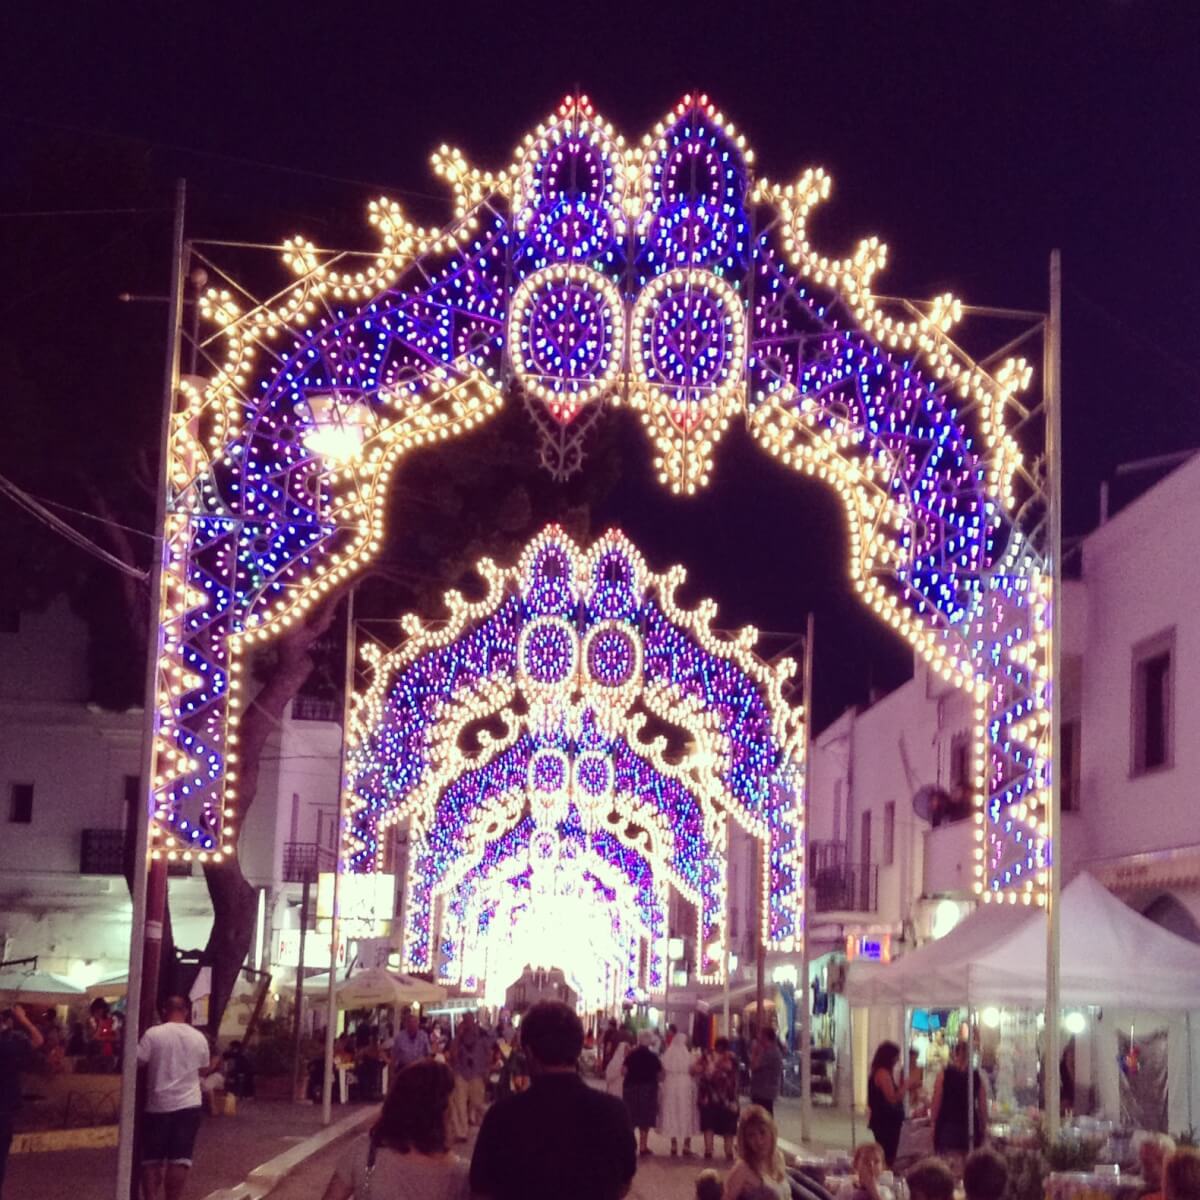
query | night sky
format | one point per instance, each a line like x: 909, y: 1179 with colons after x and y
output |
x: 972, y: 137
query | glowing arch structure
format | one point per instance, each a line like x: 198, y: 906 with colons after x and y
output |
x: 664, y: 277
x: 552, y: 680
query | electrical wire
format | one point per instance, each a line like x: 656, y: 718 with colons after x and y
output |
x: 91, y: 516
x: 40, y: 513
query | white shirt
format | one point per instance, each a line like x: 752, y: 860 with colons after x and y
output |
x: 173, y: 1054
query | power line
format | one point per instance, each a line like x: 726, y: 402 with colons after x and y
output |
x: 219, y: 156
x: 80, y: 212
x: 40, y: 513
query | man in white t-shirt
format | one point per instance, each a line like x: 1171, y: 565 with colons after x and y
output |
x: 175, y: 1056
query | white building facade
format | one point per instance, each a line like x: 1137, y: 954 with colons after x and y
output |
x: 885, y: 877
x: 69, y: 786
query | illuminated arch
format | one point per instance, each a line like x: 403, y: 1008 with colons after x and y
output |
x: 553, y: 679
x: 497, y: 890
x: 665, y: 277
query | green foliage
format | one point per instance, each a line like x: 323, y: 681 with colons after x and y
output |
x: 1069, y: 1151
x: 1027, y: 1171
x: 272, y: 1049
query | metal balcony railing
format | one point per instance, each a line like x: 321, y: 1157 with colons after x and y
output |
x: 316, y: 708
x: 305, y: 860
x: 845, y: 887
x: 103, y: 852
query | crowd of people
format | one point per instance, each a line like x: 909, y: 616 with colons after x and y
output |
x: 552, y: 1134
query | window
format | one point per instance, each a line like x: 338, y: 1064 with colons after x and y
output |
x: 837, y: 810
x: 20, y: 803
x: 960, y: 760
x: 889, y: 833
x: 1153, y: 703
x: 1071, y: 763
x: 865, y: 840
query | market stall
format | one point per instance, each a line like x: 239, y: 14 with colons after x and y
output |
x: 1126, y: 971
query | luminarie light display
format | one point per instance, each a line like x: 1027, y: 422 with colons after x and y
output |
x: 577, y: 709
x: 589, y: 272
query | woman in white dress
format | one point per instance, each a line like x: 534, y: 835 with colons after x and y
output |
x: 680, y: 1116
x: 614, y: 1074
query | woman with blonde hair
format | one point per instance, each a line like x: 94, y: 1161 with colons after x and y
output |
x: 760, y: 1168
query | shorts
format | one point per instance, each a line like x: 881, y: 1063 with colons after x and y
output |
x: 170, y: 1136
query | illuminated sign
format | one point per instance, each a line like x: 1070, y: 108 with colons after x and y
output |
x: 869, y: 947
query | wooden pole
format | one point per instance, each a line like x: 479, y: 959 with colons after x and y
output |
x: 150, y: 874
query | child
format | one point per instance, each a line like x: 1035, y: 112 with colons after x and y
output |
x: 930, y: 1179
x: 869, y: 1166
x: 708, y: 1185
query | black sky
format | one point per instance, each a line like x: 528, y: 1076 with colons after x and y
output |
x: 971, y: 136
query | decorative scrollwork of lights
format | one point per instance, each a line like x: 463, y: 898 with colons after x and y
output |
x: 558, y: 671
x: 663, y: 275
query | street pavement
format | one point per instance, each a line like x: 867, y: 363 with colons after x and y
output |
x: 227, y: 1150
x: 659, y: 1177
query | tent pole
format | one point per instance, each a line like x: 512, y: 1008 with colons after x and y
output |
x: 970, y: 1073
x: 853, y: 1104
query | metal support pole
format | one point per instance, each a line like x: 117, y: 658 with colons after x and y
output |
x: 760, y: 945
x: 147, y: 921
x: 728, y: 926
x: 335, y: 919
x: 297, y: 1063
x: 805, y: 951
x: 1053, y: 373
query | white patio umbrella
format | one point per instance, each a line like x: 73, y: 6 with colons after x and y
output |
x: 373, y: 987
x: 36, y: 987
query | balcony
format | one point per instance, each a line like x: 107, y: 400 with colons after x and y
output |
x: 838, y: 885
x: 110, y: 852
x: 846, y: 887
x: 305, y: 860
x: 103, y: 852
x: 316, y: 708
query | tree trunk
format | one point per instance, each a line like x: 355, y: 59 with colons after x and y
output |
x: 234, y: 901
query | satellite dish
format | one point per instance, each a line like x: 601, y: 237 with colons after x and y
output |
x: 927, y: 798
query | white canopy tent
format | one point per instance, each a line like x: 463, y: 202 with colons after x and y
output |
x: 1112, y: 958
x: 937, y: 973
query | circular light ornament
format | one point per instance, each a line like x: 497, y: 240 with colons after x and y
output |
x: 548, y: 653
x: 612, y: 665
x: 566, y: 337
x: 593, y: 788
x: 687, y: 352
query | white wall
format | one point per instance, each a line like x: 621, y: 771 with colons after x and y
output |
x: 77, y: 760
x: 1142, y: 576
x: 46, y: 659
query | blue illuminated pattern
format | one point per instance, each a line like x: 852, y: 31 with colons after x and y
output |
x: 666, y: 278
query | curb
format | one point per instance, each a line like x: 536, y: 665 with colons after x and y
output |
x: 265, y: 1178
